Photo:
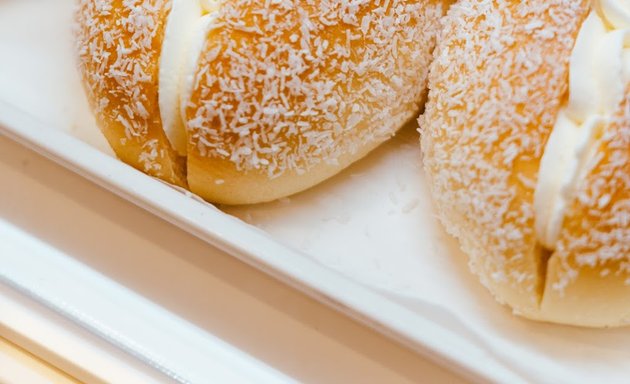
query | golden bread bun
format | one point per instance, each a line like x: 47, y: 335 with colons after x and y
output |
x: 280, y: 96
x: 119, y: 49
x: 497, y: 86
x: 588, y: 275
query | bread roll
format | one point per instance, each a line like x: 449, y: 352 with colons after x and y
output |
x: 257, y: 99
x: 526, y: 141
x: 119, y: 44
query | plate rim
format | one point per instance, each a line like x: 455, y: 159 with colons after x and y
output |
x: 254, y: 247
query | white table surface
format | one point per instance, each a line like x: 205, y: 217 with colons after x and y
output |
x: 242, y: 306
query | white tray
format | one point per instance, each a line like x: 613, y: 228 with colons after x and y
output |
x: 80, y: 329
x: 365, y: 242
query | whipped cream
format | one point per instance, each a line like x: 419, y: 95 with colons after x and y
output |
x: 599, y: 72
x: 181, y: 30
x: 197, y: 44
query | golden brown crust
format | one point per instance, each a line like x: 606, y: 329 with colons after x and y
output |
x: 588, y: 277
x: 285, y: 95
x: 219, y: 181
x: 119, y: 48
x: 289, y: 93
x: 497, y: 84
x: 492, y: 106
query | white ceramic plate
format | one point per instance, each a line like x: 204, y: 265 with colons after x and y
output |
x: 365, y: 242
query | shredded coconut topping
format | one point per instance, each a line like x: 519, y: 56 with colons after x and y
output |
x: 496, y: 87
x: 118, y: 48
x: 283, y: 85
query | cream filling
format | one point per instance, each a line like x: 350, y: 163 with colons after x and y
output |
x: 180, y: 51
x: 616, y: 12
x: 599, y: 72
x: 197, y: 44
